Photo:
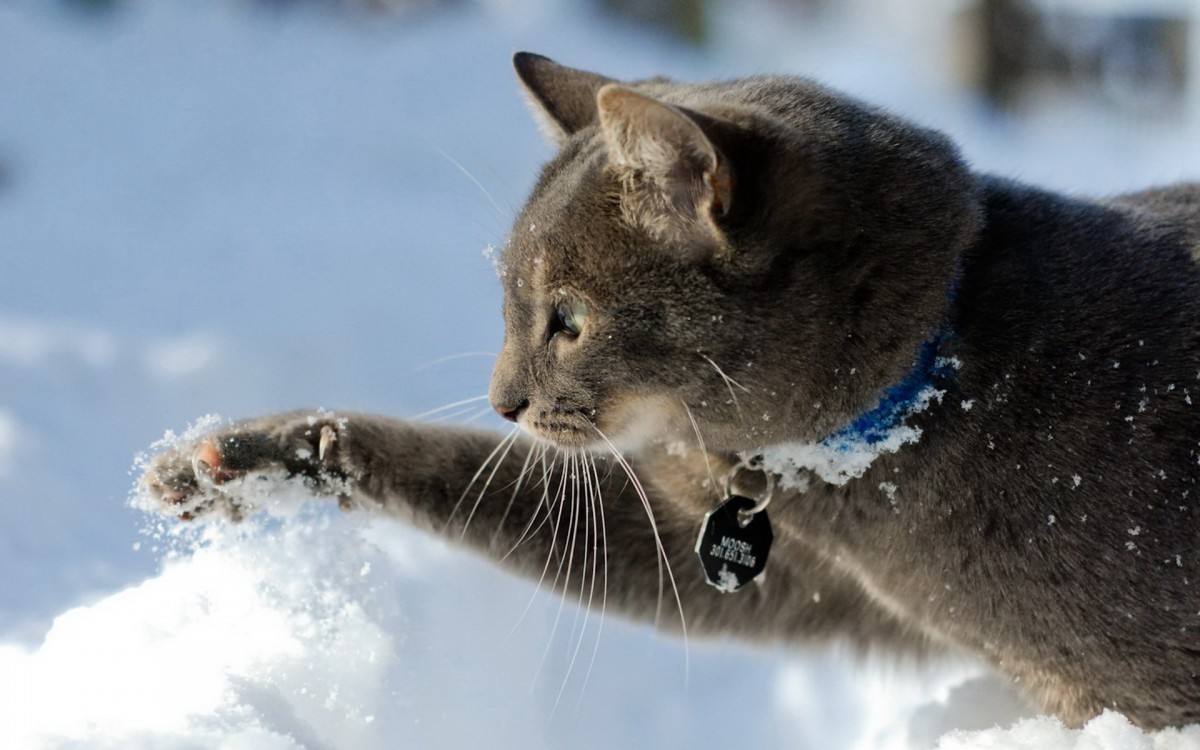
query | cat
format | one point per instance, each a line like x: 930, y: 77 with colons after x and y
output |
x: 968, y: 402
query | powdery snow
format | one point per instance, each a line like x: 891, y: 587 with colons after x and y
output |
x: 292, y: 631
x: 839, y: 459
x: 256, y: 636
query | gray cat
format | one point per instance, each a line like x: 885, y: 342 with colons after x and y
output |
x: 967, y: 401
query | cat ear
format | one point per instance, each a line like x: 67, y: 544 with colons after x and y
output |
x: 564, y: 99
x: 676, y: 183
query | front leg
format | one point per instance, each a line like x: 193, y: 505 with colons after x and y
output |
x: 434, y: 476
x: 574, y: 521
x: 516, y: 500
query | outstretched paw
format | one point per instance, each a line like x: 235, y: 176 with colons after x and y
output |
x: 231, y: 471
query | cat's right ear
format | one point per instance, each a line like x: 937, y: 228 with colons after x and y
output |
x: 564, y: 99
x: 675, y: 181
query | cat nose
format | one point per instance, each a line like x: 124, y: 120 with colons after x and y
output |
x: 511, y: 413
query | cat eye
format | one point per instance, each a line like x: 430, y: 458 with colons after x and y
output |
x: 572, y: 314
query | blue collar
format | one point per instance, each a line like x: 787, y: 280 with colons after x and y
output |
x: 849, y: 452
x: 912, y: 394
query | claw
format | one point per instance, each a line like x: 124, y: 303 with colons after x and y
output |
x: 328, y: 438
x: 208, y: 464
x: 156, y: 488
x: 200, y: 467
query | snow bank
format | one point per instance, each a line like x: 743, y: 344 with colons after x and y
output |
x: 1109, y: 731
x: 265, y: 635
x: 292, y: 630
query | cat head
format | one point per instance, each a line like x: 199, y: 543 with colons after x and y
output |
x: 749, y: 261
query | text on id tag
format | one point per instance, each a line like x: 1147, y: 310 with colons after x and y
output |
x: 733, y: 546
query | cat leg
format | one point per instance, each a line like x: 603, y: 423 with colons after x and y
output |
x: 586, y: 526
x: 425, y: 473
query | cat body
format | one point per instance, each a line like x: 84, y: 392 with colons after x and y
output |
x: 968, y: 401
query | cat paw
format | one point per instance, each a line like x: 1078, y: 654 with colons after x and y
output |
x: 230, y: 472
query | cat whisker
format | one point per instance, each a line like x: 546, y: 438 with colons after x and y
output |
x: 729, y: 383
x: 567, y: 559
x: 559, y: 498
x: 510, y: 439
x: 477, y: 415
x: 546, y: 503
x: 602, y: 533
x: 662, y: 551
x: 500, y: 447
x: 517, y: 485
x: 454, y: 416
x: 455, y: 405
x: 499, y: 211
x: 452, y: 357
x: 653, y: 525
x: 585, y: 509
x: 487, y: 167
x: 712, y: 482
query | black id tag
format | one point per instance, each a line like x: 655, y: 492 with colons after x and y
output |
x: 731, y: 554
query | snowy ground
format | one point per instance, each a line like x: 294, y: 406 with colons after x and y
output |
x: 207, y: 209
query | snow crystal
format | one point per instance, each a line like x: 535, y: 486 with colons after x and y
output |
x: 837, y: 460
x: 727, y: 582
x: 834, y: 464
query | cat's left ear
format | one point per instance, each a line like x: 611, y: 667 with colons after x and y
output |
x: 564, y: 99
x: 676, y: 183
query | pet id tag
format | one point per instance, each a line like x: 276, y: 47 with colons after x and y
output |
x: 733, y: 545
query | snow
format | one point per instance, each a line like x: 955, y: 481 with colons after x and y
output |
x: 1109, y: 731
x: 842, y: 457
x: 211, y: 208
x: 248, y: 635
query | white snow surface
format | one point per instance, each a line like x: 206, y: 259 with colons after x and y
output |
x: 207, y: 207
x: 1109, y: 731
x: 255, y: 637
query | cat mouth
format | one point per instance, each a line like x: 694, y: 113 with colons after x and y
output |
x: 627, y: 423
x: 567, y: 429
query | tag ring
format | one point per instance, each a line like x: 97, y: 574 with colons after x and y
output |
x: 760, y: 504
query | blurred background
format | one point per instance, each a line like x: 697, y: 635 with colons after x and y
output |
x: 242, y: 206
